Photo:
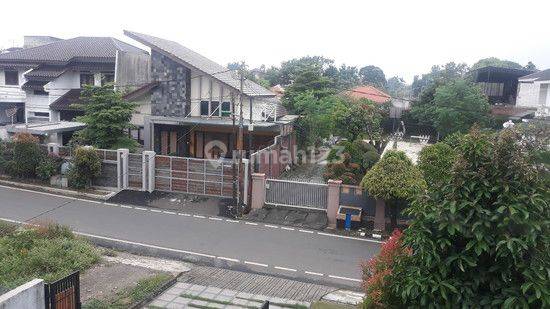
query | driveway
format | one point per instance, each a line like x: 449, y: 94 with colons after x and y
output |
x: 256, y: 247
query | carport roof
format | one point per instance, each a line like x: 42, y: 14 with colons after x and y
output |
x: 46, y: 127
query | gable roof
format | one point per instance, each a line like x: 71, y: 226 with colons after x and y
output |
x: 368, y: 92
x: 538, y: 76
x: 195, y: 60
x: 89, y: 49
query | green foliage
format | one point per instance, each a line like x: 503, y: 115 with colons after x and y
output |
x: 373, y: 75
x: 455, y: 107
x: 439, y: 75
x: 309, y: 80
x: 26, y: 156
x: 50, y: 253
x: 484, y: 239
x: 358, y: 119
x: 394, y: 177
x: 48, y: 167
x: 107, y: 117
x: 397, y: 87
x: 495, y: 62
x: 349, y: 161
x: 86, y: 165
x: 435, y: 163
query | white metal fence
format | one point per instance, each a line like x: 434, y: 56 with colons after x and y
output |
x: 296, y: 194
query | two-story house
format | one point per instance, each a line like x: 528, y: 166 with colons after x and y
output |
x: 36, y: 79
x: 192, y: 100
x: 534, y: 92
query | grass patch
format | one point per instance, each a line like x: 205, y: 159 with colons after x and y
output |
x: 131, y: 296
x: 50, y: 252
x: 328, y: 305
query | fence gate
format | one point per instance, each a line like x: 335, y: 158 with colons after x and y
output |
x: 64, y: 293
x: 296, y: 194
x: 134, y: 171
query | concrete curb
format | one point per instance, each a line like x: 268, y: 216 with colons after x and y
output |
x: 64, y: 192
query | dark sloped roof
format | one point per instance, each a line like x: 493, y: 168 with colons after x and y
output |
x: 34, y: 85
x: 45, y: 73
x: 65, y: 101
x: 195, y: 60
x: 100, y: 49
x: 538, y: 76
x: 141, y: 91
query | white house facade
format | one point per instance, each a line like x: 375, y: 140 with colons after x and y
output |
x: 534, y: 92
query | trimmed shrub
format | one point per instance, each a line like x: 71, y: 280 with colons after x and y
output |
x: 435, y: 162
x: 85, y: 167
x: 26, y: 156
x: 349, y: 161
x: 50, y: 166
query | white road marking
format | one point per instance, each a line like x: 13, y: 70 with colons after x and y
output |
x: 169, y: 212
x: 255, y: 264
x: 306, y: 231
x: 155, y: 210
x: 124, y: 206
x: 349, y: 237
x: 287, y: 228
x: 197, y: 216
x: 227, y: 259
x: 251, y: 223
x: 91, y: 201
x: 271, y: 226
x: 344, y: 278
x: 215, y: 219
x: 232, y: 221
x: 284, y: 268
x: 313, y: 273
x: 112, y: 205
x: 141, y: 208
x: 184, y: 214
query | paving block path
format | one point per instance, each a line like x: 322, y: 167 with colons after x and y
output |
x: 255, y: 283
x: 186, y: 295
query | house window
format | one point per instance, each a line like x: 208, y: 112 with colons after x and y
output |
x: 41, y: 114
x: 86, y: 79
x: 107, y: 79
x: 39, y: 92
x: 214, y: 108
x: 204, y: 108
x: 11, y: 78
x: 226, y: 109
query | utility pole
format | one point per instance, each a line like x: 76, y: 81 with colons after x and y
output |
x: 240, y: 140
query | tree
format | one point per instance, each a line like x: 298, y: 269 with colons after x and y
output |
x: 359, y: 118
x: 86, y: 165
x: 483, y: 240
x: 349, y: 161
x: 530, y: 66
x: 396, y: 86
x: 107, y: 118
x: 394, y: 178
x: 495, y: 62
x: 373, y: 75
x: 310, y: 80
x: 348, y: 77
x: 437, y: 76
x: 435, y: 163
x: 26, y: 156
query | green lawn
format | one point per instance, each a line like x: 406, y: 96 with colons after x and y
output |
x: 49, y: 252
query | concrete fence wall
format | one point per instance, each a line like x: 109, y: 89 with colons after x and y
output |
x: 27, y: 296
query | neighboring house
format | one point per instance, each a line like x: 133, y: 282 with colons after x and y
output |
x: 500, y: 85
x: 44, y: 80
x: 398, y: 105
x: 534, y: 92
x: 187, y: 109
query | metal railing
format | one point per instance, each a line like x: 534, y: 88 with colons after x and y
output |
x: 296, y: 194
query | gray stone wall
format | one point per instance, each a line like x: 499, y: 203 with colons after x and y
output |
x: 172, y: 97
x: 108, y: 176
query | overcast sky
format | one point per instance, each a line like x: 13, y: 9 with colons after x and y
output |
x: 404, y: 38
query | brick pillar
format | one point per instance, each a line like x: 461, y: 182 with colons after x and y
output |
x: 380, y: 215
x: 258, y: 191
x: 122, y: 168
x: 333, y: 201
x: 148, y: 171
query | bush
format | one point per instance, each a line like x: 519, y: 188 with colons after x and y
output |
x: 349, y: 161
x: 85, y: 167
x: 49, y: 252
x: 50, y: 166
x: 435, y: 163
x: 26, y: 156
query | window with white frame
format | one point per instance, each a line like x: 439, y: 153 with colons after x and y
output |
x: 11, y: 77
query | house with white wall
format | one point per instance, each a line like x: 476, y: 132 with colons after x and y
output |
x: 534, y: 92
x: 35, y: 79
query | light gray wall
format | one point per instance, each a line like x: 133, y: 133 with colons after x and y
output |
x: 132, y: 70
x: 27, y: 296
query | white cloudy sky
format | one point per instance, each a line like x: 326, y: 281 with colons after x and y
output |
x: 402, y: 37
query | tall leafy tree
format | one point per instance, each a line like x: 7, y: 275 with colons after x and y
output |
x: 359, y: 119
x: 482, y: 240
x: 310, y: 80
x: 348, y: 77
x: 107, y: 117
x: 496, y: 62
x: 373, y: 75
x: 396, y: 86
x: 394, y: 178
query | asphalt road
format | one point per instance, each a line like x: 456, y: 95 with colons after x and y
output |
x: 290, y: 252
